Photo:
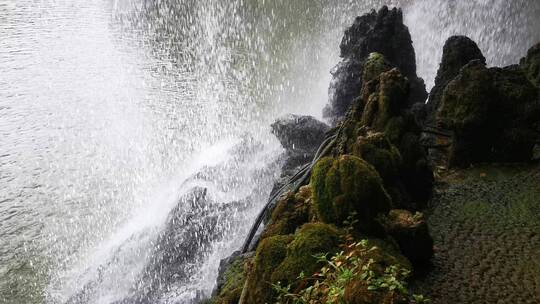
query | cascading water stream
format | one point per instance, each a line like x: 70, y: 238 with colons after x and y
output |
x: 135, y: 143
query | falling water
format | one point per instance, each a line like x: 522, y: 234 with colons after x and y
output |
x: 135, y: 149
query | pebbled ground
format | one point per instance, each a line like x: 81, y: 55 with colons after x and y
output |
x: 485, y: 222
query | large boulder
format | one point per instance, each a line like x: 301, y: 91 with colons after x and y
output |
x: 492, y: 113
x: 300, y: 136
x: 457, y: 52
x: 382, y: 32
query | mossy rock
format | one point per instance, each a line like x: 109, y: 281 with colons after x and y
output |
x: 269, y: 254
x: 492, y: 112
x: 291, y: 212
x: 376, y: 149
x: 375, y: 65
x: 385, y: 100
x: 310, y: 240
x: 231, y: 281
x: 346, y: 185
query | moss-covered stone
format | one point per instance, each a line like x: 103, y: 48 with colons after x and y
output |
x: 492, y: 113
x: 377, y: 150
x: 388, y: 96
x: 374, y: 65
x: 311, y: 240
x: 270, y: 254
x: 346, y: 185
x: 231, y: 281
x: 291, y: 212
x: 457, y: 52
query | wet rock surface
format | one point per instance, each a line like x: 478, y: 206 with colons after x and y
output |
x: 486, y: 227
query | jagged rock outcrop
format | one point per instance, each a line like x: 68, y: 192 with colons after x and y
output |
x: 383, y: 108
x: 492, y: 113
x: 382, y: 32
x: 457, y: 52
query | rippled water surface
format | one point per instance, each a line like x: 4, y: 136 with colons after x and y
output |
x: 110, y: 111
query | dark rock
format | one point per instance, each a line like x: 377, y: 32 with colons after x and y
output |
x: 191, y: 228
x: 231, y: 278
x: 382, y: 32
x: 457, y: 52
x: 301, y: 137
x: 492, y: 113
x: 531, y: 65
x: 411, y: 233
x: 299, y: 132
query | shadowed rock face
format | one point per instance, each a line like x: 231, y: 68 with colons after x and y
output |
x: 531, y: 65
x: 492, y: 112
x: 457, y: 52
x: 382, y: 32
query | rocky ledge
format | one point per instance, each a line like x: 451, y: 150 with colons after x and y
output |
x: 352, y: 217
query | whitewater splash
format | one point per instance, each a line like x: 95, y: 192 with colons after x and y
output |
x: 143, y: 128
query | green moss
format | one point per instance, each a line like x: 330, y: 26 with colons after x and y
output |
x: 291, y: 212
x: 492, y: 112
x: 269, y: 255
x: 311, y: 240
x: 377, y: 150
x: 345, y: 185
x: 394, y: 129
x: 386, y: 101
x: 374, y: 65
x: 234, y: 278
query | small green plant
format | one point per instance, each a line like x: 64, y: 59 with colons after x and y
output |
x: 419, y: 299
x: 354, y: 264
